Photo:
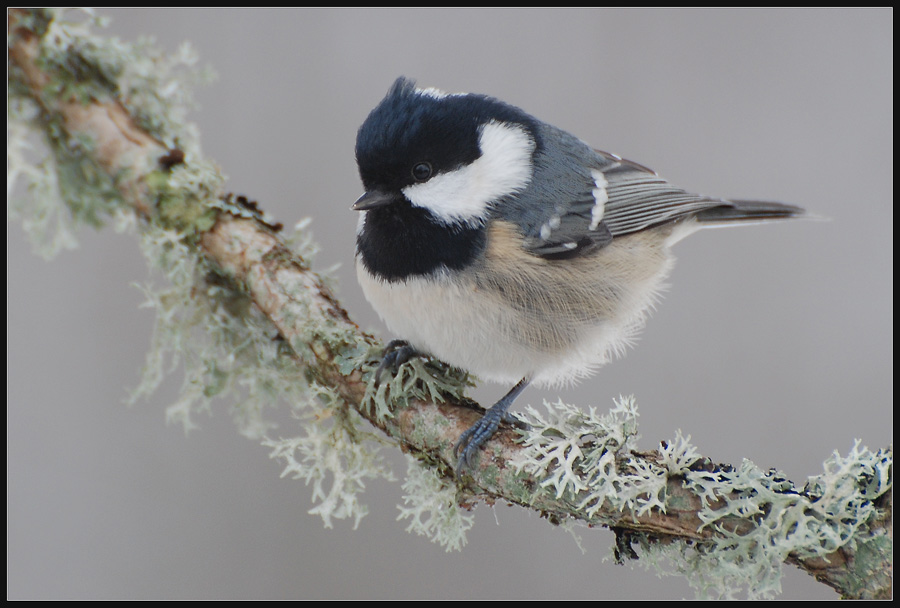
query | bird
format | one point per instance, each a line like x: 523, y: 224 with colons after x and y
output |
x: 510, y: 248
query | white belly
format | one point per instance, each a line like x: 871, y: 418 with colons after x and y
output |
x: 451, y: 322
x: 517, y: 315
x: 470, y: 329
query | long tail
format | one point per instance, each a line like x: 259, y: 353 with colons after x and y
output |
x: 748, y: 211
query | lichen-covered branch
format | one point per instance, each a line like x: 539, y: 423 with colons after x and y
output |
x: 248, y: 316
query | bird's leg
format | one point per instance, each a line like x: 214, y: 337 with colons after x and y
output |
x: 471, y: 441
x: 395, y: 354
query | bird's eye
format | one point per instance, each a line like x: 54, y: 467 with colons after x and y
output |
x: 421, y: 172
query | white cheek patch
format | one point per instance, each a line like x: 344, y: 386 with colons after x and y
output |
x: 601, y: 197
x: 503, y: 168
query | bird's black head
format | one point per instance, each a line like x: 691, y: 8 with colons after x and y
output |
x: 416, y: 134
x: 433, y: 165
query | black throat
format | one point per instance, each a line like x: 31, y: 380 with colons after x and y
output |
x: 400, y: 240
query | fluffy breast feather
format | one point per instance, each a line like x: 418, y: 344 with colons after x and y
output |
x: 513, y: 314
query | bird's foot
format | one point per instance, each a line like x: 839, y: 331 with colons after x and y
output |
x: 395, y: 354
x: 475, y: 436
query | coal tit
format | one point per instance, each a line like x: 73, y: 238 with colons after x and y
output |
x: 507, y: 247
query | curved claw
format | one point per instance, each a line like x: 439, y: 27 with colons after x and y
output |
x: 475, y: 436
x: 513, y: 420
x: 395, y: 354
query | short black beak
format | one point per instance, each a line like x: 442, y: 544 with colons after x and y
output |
x: 373, y: 199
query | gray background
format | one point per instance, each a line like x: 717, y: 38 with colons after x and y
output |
x: 774, y: 344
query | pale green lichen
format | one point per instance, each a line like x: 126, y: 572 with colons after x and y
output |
x: 226, y: 346
x: 678, y: 455
x: 819, y: 519
x: 823, y: 517
x: 82, y: 66
x: 432, y: 506
x: 827, y: 514
x: 156, y: 87
x: 337, y: 461
x: 573, y: 451
x: 585, y: 458
x: 67, y: 187
x: 426, y: 379
x: 642, y: 486
x: 46, y: 220
x: 758, y: 516
x: 187, y: 197
x: 230, y: 352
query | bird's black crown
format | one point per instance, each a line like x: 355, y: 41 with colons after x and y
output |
x: 412, y: 126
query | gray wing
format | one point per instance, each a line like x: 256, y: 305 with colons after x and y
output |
x: 609, y: 197
x: 638, y: 198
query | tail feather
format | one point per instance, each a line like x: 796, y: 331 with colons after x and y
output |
x: 748, y: 211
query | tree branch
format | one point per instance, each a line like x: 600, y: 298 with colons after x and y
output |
x: 571, y: 466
